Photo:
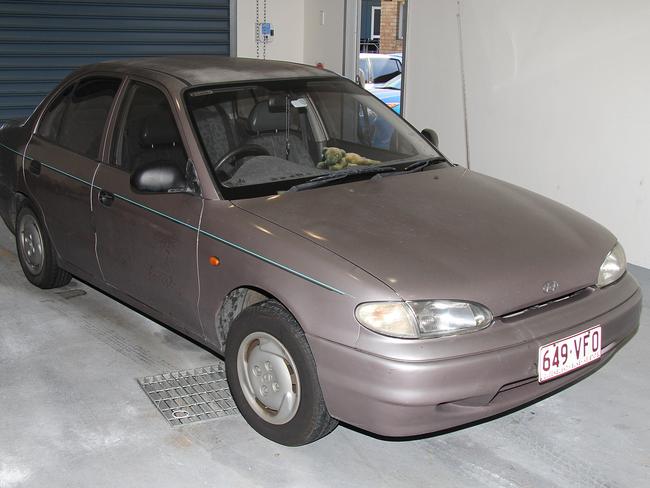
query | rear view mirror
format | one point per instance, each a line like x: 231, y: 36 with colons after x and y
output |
x: 159, y: 177
x: 431, y: 135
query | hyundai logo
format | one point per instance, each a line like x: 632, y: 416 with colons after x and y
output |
x: 550, y: 287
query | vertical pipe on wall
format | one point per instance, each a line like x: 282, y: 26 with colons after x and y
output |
x: 233, y: 28
x: 405, y: 29
x: 462, y: 77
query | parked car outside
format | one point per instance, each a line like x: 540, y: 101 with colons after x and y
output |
x: 378, y: 69
x: 246, y: 204
x: 390, y: 93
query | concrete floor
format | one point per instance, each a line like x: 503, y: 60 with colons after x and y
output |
x: 72, y: 415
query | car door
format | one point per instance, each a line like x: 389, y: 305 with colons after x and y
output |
x: 146, y: 243
x: 62, y: 159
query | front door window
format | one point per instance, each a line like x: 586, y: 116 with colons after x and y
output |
x: 147, y: 131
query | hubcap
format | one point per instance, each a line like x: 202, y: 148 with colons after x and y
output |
x: 31, y: 244
x: 268, y: 377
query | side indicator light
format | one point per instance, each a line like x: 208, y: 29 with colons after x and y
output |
x: 214, y: 261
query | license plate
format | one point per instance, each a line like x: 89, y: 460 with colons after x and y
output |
x: 560, y: 357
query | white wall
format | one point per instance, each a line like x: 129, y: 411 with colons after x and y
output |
x: 433, y: 88
x: 558, y: 99
x: 324, y: 43
x: 299, y: 35
x: 288, y: 19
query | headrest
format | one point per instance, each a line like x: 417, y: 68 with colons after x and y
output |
x: 263, y: 119
x: 159, y: 129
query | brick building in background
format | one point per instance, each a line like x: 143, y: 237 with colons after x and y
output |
x: 392, y: 26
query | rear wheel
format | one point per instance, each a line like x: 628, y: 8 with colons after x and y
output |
x: 36, y: 253
x: 272, y: 376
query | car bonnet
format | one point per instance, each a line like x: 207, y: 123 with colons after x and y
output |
x: 448, y: 234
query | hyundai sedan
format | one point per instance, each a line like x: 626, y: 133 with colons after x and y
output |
x: 292, y: 223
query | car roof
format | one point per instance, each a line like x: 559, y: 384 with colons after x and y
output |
x: 379, y: 55
x: 204, y: 69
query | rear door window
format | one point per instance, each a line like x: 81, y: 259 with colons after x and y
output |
x: 51, y: 120
x: 85, y: 114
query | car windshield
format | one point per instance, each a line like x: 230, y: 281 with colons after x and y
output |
x: 266, y: 137
x: 384, y: 69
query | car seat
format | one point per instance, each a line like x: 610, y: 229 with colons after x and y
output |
x: 160, y: 141
x: 267, y: 128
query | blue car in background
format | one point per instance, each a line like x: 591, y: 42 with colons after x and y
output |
x: 378, y: 69
x: 390, y: 93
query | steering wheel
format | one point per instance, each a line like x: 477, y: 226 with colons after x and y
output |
x: 240, y: 152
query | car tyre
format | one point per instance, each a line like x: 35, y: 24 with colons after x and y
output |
x: 272, y: 376
x: 36, y: 252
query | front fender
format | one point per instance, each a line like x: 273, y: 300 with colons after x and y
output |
x: 318, y: 287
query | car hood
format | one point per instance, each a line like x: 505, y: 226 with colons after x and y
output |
x: 449, y: 234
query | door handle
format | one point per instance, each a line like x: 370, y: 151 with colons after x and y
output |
x: 35, y: 167
x: 106, y: 198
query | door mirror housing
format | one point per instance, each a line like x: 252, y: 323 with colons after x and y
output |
x: 159, y: 177
x: 431, y: 135
x: 361, y: 79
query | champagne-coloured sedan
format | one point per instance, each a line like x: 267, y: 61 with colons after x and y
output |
x: 289, y: 221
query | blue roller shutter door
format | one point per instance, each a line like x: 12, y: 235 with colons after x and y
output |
x: 41, y: 41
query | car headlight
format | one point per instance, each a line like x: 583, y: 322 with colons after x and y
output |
x: 423, y: 318
x: 613, y: 267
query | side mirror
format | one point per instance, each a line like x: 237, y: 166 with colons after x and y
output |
x: 159, y: 177
x: 431, y: 135
x: 361, y: 79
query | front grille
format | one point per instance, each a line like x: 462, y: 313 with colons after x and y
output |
x: 575, y: 295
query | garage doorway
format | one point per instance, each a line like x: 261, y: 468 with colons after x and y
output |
x: 379, y: 48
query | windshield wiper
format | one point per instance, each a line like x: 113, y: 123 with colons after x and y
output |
x: 423, y: 163
x: 341, y: 175
x: 415, y: 167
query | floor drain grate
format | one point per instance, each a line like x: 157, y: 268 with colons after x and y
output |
x: 190, y: 396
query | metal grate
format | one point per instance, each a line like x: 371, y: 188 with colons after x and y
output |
x: 190, y: 396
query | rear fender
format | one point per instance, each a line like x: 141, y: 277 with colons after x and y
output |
x: 14, y: 136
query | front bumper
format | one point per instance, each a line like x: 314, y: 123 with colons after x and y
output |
x: 398, y: 397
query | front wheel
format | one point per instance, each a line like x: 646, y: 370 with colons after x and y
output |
x: 36, y: 253
x: 272, y: 376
